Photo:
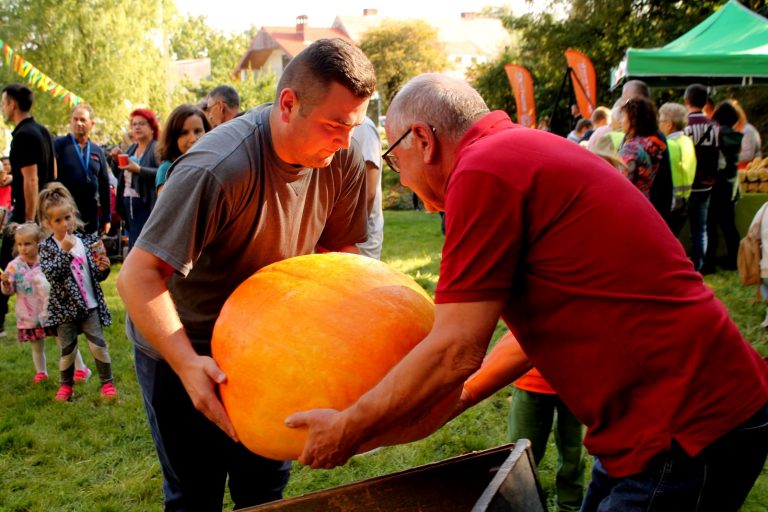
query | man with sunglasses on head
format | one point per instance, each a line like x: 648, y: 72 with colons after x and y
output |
x: 277, y: 182
x: 599, y: 294
x: 222, y: 105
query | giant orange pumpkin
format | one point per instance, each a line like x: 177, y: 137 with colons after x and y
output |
x: 309, y: 332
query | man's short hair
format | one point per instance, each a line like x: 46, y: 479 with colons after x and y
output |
x: 21, y: 94
x: 85, y: 106
x: 638, y: 88
x: 325, y: 61
x: 583, y: 124
x: 675, y: 113
x: 601, y: 114
x: 227, y: 94
x: 696, y: 95
x: 725, y: 114
x: 449, y: 105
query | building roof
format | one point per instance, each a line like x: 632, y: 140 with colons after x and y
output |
x: 290, y: 40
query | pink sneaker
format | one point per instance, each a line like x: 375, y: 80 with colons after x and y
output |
x: 108, y: 390
x: 83, y: 375
x: 40, y: 377
x: 64, y: 394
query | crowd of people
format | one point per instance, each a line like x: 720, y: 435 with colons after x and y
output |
x: 611, y: 327
x: 684, y: 160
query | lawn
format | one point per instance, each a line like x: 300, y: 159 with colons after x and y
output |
x: 93, y: 455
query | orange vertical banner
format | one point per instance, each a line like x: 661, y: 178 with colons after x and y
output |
x: 522, y: 85
x: 584, y: 82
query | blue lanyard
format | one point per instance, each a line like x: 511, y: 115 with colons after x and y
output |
x: 85, y: 159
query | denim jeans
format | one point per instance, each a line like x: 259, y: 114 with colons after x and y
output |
x: 196, y: 457
x: 531, y: 417
x: 138, y: 214
x: 717, y: 480
x: 698, y: 206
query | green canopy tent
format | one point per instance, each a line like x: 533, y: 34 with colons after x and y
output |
x: 730, y: 47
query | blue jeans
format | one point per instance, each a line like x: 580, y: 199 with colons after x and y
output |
x: 196, y: 457
x: 138, y: 213
x: 717, y: 480
x: 698, y: 206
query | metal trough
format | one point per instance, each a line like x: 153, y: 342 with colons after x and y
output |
x: 502, y: 479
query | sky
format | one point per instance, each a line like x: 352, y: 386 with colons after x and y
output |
x: 238, y: 15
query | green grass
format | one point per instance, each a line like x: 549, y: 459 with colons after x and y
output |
x: 93, y: 455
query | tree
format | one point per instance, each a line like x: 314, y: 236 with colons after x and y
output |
x: 192, y: 38
x: 401, y: 50
x: 111, y: 55
x: 602, y: 29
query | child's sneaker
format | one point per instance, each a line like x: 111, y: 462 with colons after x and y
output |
x: 64, y: 393
x: 40, y: 377
x: 83, y: 375
x: 108, y: 390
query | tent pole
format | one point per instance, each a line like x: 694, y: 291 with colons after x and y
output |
x: 574, y: 76
x: 552, y: 119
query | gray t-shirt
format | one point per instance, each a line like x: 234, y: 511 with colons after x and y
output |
x: 231, y: 206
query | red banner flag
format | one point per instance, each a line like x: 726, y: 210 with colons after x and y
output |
x: 522, y: 85
x: 584, y: 83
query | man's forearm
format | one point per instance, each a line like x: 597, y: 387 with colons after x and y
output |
x: 30, y: 191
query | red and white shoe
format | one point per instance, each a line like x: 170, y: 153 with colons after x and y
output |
x: 64, y: 394
x: 83, y: 375
x: 40, y: 377
x: 109, y: 390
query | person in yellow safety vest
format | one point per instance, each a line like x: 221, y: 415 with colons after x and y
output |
x: 673, y: 118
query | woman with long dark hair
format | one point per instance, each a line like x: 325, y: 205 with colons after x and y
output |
x: 185, y: 126
x: 642, y: 150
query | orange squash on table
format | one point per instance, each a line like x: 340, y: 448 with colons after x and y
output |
x: 315, y: 331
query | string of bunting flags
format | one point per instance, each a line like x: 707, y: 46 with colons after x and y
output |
x: 35, y: 77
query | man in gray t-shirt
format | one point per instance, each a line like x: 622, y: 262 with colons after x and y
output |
x: 279, y: 181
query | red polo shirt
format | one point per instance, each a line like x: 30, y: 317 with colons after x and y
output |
x: 599, y: 293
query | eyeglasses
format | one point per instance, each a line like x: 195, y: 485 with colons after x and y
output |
x: 392, y: 160
x: 208, y: 108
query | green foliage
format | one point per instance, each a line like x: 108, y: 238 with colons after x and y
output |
x: 107, y: 53
x: 401, y: 50
x: 603, y: 30
x: 192, y: 38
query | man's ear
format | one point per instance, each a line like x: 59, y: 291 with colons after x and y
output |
x: 426, y: 141
x: 288, y: 101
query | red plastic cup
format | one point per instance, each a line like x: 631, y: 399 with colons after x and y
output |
x: 122, y: 160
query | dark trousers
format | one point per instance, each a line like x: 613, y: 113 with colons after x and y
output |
x: 196, y: 456
x: 531, y: 417
x: 137, y: 214
x: 722, y: 216
x: 717, y: 480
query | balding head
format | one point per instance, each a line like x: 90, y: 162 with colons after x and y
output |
x: 447, y: 104
x: 635, y: 89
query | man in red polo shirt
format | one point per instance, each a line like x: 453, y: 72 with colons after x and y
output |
x: 599, y: 293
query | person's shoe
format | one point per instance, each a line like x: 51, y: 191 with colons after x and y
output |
x: 83, y: 375
x: 40, y: 377
x: 64, y: 394
x: 109, y: 390
x: 2, y: 333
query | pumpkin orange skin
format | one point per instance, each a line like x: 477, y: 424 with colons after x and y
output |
x: 311, y: 332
